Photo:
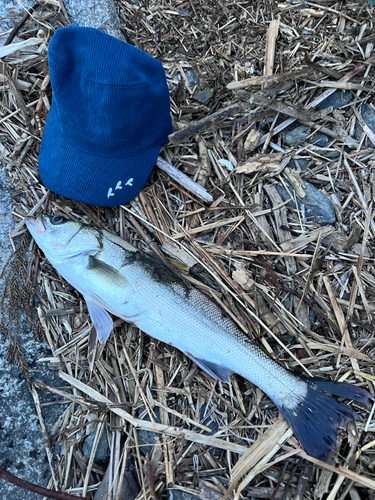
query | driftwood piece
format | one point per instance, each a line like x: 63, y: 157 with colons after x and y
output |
x: 270, y: 79
x: 263, y: 163
x: 288, y: 109
x: 323, y: 69
x: 205, y: 123
x: 272, y: 32
x: 184, y: 180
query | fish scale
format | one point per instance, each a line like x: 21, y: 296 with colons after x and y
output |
x: 115, y: 277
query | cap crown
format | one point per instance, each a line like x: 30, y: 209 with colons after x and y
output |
x: 111, y: 99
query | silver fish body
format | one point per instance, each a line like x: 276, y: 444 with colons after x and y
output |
x: 114, y: 276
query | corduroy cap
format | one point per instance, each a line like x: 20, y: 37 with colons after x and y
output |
x: 109, y: 116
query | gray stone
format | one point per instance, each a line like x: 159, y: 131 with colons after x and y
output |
x: 318, y: 208
x: 183, y: 12
x: 100, y: 14
x: 331, y: 154
x: 21, y: 451
x: 320, y: 140
x: 146, y: 439
x: 296, y: 136
x: 130, y: 485
x: 300, y: 164
x: 211, y: 424
x: 191, y: 77
x: 174, y: 494
x: 337, y: 100
x: 368, y: 116
x: 103, y: 450
x: 266, y: 123
x: 203, y: 96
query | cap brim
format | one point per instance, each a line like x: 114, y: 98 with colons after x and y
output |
x: 95, y: 180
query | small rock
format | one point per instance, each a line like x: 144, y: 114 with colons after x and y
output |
x: 320, y: 140
x: 130, y: 485
x: 332, y: 154
x: 203, y: 96
x: 337, y: 100
x: 318, y: 208
x: 266, y: 123
x: 296, y: 136
x: 146, y: 439
x: 190, y: 76
x: 368, y: 116
x: 211, y: 424
x: 300, y: 164
x: 312, y: 317
x: 183, y: 12
x: 103, y: 451
x: 174, y: 494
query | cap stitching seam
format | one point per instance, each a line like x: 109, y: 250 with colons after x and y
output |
x: 135, y: 85
x: 91, y: 136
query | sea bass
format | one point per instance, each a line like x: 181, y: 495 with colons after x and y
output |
x: 115, y: 277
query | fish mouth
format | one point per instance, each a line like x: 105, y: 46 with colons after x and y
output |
x: 37, y: 224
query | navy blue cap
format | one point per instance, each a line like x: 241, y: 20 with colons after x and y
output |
x: 109, y: 116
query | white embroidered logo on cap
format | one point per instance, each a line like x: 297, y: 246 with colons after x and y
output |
x: 129, y: 182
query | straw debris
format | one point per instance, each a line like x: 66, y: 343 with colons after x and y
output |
x: 238, y: 222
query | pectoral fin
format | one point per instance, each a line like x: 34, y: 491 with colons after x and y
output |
x: 106, y: 272
x: 100, y: 319
x: 215, y: 371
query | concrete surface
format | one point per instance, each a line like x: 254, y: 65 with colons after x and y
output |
x: 21, y: 448
x: 100, y: 14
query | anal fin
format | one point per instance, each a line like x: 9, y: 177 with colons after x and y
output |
x: 217, y: 372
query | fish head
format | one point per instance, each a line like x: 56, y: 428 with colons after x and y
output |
x: 57, y: 237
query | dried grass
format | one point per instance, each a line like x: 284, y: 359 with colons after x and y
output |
x: 266, y: 265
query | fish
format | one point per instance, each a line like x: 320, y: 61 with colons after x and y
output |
x: 115, y: 277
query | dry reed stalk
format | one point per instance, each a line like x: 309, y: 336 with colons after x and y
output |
x: 234, y: 223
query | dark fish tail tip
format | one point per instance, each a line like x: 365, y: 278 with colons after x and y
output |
x: 316, y: 419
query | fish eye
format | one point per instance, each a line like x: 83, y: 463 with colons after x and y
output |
x: 58, y: 219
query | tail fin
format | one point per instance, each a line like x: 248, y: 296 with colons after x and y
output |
x: 315, y: 420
